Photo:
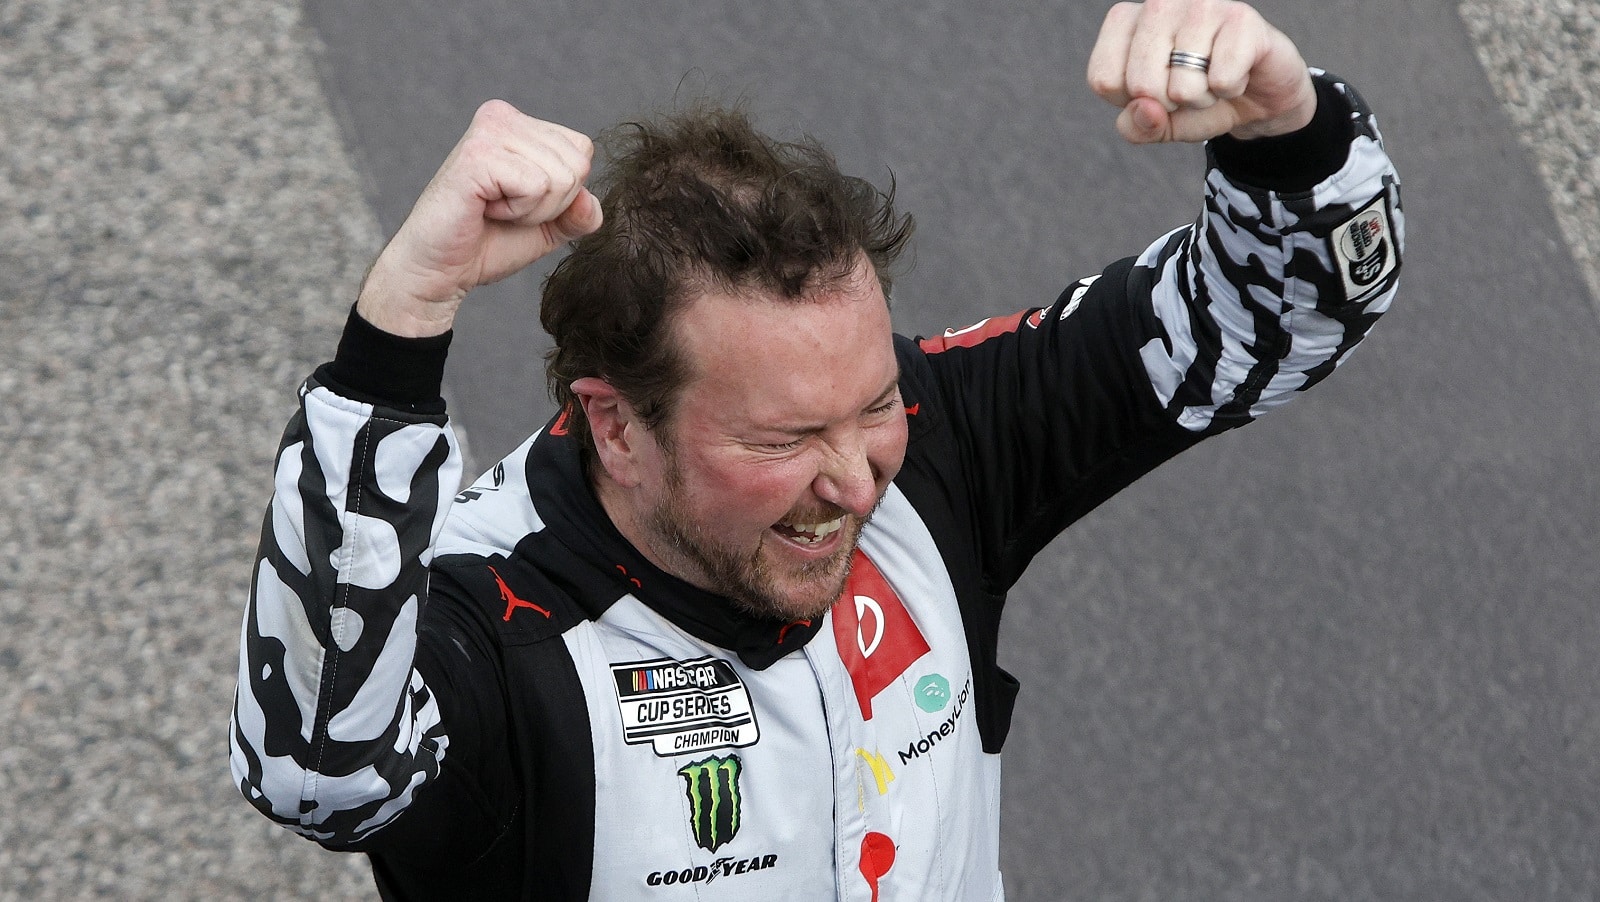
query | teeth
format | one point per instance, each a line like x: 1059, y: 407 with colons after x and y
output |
x: 811, y: 533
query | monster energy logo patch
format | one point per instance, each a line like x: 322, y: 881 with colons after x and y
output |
x: 713, y: 789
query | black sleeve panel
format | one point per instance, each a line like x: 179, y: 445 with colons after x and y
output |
x: 1041, y: 418
x: 1021, y: 424
x: 1051, y: 418
x: 523, y: 793
x: 462, y: 832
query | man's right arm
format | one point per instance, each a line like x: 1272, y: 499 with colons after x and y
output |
x: 334, y: 727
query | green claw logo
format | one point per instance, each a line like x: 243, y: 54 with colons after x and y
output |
x: 714, y: 804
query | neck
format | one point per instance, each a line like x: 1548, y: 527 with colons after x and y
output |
x: 618, y: 504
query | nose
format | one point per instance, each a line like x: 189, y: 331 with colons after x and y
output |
x: 847, y: 478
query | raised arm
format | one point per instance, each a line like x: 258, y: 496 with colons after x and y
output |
x: 1293, y: 258
x: 1298, y: 250
x: 334, y: 726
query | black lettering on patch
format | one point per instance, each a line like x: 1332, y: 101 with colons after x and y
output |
x: 1364, y: 251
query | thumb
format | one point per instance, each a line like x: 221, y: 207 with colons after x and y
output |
x: 580, y: 218
x: 1144, y: 121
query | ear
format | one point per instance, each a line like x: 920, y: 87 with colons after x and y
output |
x: 614, y: 426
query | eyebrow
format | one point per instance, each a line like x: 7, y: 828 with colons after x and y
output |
x: 894, y: 385
x: 882, y: 397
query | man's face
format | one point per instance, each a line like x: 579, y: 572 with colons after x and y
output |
x: 783, y: 439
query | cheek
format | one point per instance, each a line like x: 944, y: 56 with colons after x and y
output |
x: 886, y: 450
x: 759, y: 493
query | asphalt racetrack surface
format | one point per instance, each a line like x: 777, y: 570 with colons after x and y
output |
x: 1346, y: 653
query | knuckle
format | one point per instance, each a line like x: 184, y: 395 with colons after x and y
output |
x: 583, y: 162
x: 1143, y: 85
x: 1104, y: 84
x: 560, y: 181
x: 1184, y: 92
x: 1228, y: 87
x: 493, y: 111
x: 584, y: 144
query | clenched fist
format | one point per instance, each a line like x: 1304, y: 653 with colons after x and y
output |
x: 1234, y: 73
x: 511, y: 191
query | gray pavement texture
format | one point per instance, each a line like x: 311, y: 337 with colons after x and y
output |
x: 178, y: 221
x: 181, y: 228
x: 1543, y: 61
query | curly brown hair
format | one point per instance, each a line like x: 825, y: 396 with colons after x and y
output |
x: 695, y: 202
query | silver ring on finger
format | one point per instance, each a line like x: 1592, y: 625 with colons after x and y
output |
x: 1183, y: 59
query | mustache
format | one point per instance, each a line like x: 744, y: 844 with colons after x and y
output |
x: 815, y: 514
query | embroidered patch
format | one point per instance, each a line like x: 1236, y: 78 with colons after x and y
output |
x: 1363, y: 249
x: 680, y: 707
x: 715, y: 808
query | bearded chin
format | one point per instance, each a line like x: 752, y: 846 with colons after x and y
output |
x: 820, y: 584
x: 747, y: 579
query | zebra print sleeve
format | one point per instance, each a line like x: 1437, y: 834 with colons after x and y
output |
x: 333, y: 729
x: 1267, y: 292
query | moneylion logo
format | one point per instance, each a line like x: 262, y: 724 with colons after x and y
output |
x: 933, y: 693
x: 714, y: 804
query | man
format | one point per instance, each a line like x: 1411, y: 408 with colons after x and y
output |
x: 726, y: 627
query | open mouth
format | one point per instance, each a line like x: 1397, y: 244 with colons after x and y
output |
x: 808, y: 533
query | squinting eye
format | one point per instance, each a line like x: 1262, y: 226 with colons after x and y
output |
x: 787, y: 446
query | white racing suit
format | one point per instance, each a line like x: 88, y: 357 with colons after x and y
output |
x: 495, y: 696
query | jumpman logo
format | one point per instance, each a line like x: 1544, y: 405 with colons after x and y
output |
x: 511, y: 599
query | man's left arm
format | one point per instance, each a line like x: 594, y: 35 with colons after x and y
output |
x: 1298, y: 249
x: 1294, y: 257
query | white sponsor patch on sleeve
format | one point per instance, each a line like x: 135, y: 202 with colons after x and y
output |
x: 1364, y: 251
